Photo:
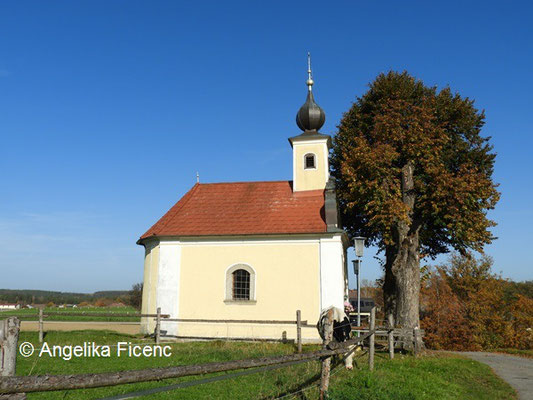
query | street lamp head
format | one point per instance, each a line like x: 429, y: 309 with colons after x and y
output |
x: 359, y: 244
x: 355, y: 267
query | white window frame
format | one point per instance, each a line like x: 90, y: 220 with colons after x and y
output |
x: 228, y: 285
x: 314, y: 161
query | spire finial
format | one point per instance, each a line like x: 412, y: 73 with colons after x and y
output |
x: 197, y: 177
x: 309, y: 73
x: 310, y: 117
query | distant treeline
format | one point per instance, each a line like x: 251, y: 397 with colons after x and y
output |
x: 45, y: 296
x: 465, y: 306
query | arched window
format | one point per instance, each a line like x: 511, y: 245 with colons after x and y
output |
x: 240, y: 283
x: 309, y: 161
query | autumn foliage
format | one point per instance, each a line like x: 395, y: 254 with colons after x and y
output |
x: 465, y: 306
x: 401, y: 121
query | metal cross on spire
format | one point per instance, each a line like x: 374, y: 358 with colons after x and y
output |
x: 309, y: 73
x: 310, y: 117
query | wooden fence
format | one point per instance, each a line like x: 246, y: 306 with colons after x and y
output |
x: 297, y: 322
x: 159, y: 317
x: 11, y: 385
x: 396, y: 336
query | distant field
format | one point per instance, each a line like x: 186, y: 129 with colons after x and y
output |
x: 405, y: 378
x: 33, y: 314
x: 45, y: 296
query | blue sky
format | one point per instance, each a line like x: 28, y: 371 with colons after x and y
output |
x: 108, y: 109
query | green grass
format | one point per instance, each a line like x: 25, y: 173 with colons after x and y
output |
x: 515, y: 352
x: 33, y: 314
x: 429, y: 377
x: 432, y: 377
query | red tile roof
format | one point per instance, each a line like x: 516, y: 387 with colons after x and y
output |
x: 243, y: 208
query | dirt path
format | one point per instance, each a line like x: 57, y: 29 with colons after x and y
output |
x: 516, y: 371
x: 131, y: 328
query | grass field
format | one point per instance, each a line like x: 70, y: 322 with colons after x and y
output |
x: 33, y: 314
x: 431, y: 377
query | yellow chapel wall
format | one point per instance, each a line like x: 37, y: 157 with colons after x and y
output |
x: 310, y: 179
x: 287, y: 278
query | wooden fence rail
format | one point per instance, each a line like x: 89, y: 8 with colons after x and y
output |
x: 88, y: 314
x: 384, y: 331
x: 239, y: 321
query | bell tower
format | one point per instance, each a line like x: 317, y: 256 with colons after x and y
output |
x: 310, y: 149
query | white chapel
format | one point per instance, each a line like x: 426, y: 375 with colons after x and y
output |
x: 252, y: 251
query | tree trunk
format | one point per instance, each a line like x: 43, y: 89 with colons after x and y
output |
x: 406, y: 270
x: 389, y: 283
x: 402, y: 269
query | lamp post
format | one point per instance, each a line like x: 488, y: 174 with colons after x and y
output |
x: 359, y: 245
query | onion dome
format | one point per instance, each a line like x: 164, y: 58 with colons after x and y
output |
x: 310, y: 117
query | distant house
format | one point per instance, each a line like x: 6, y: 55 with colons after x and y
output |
x: 67, y: 306
x: 366, y: 305
x: 251, y: 250
x: 9, y: 306
x: 117, y: 305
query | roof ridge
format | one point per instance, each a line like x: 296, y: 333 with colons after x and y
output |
x: 185, y: 199
x: 227, y: 183
x: 178, y: 206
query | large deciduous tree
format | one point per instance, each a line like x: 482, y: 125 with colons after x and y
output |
x: 414, y: 176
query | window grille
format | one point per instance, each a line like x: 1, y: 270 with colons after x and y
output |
x: 310, y: 161
x: 241, y: 285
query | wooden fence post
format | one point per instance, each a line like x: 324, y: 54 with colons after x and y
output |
x: 391, y: 336
x: 2, y: 335
x: 158, y: 326
x: 10, y: 340
x: 326, y: 362
x: 416, y: 340
x: 299, y: 330
x: 9, y: 336
x: 41, y: 330
x: 371, y: 339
